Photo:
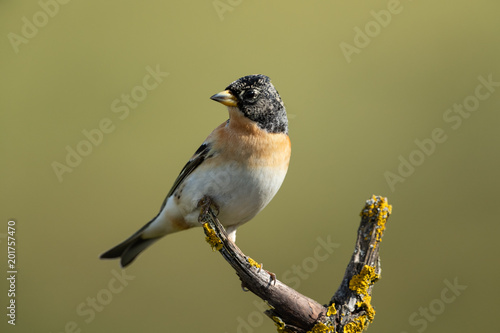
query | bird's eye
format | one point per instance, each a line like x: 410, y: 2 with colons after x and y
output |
x: 250, y: 95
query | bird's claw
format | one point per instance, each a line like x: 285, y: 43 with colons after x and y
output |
x: 207, y: 203
x: 245, y: 289
x: 273, y: 276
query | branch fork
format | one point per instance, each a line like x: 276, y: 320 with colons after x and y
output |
x: 349, y: 310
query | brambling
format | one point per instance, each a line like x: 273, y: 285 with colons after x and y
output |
x: 240, y: 166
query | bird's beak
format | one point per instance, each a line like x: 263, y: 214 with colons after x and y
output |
x: 225, y: 97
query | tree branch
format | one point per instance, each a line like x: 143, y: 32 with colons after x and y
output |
x: 350, y: 308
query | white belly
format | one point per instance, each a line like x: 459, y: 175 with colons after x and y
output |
x: 240, y: 193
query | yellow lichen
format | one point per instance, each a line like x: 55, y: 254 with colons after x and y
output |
x: 362, y: 281
x: 360, y: 284
x: 358, y: 325
x: 377, y: 206
x: 280, y: 324
x: 367, y: 306
x: 253, y: 263
x: 331, y: 310
x: 211, y: 238
x: 322, y: 328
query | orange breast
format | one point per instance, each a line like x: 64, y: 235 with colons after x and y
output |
x: 245, y: 142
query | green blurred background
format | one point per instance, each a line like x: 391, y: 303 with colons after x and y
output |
x: 353, y: 118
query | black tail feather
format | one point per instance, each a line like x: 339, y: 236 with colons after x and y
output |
x: 129, y: 249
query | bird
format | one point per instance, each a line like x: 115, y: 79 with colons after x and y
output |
x: 240, y: 166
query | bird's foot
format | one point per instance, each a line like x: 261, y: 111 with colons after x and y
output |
x: 207, y: 205
x: 260, y: 267
x: 273, y: 277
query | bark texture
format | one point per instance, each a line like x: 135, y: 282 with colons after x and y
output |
x: 349, y: 309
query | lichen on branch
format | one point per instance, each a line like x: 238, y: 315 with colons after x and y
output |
x: 350, y: 308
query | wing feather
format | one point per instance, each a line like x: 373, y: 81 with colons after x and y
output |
x: 199, y: 156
